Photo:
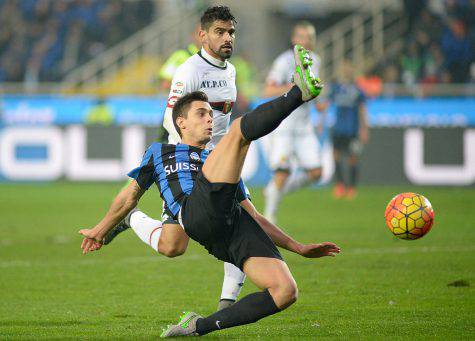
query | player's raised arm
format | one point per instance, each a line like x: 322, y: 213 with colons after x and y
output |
x: 283, y: 240
x: 123, y: 203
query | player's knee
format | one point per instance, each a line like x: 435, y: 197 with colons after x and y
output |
x: 284, y: 294
x: 171, y: 249
x: 171, y: 252
x: 290, y: 293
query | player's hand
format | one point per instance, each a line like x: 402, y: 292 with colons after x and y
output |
x: 319, y: 250
x: 90, y: 242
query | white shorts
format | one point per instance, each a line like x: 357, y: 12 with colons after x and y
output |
x: 289, y: 148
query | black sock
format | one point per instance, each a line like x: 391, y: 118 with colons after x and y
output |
x: 249, y: 309
x: 353, y: 175
x: 339, y: 172
x: 266, y: 117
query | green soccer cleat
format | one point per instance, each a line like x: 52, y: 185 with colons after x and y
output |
x: 119, y: 228
x: 304, y: 78
x: 185, y: 327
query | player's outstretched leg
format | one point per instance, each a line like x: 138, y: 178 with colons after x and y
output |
x: 146, y: 228
x: 226, y: 162
x: 168, y: 239
x: 279, y: 291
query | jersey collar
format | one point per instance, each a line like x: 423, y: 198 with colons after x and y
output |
x: 211, y: 60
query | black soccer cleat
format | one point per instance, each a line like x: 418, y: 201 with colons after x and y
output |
x: 119, y: 228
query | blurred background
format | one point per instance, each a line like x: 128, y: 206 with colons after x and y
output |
x: 81, y: 95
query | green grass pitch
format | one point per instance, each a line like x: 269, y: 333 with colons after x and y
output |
x: 379, y: 287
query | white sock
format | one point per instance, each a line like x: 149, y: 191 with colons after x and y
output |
x: 273, y: 197
x: 232, y: 282
x: 146, y: 228
x: 295, y: 182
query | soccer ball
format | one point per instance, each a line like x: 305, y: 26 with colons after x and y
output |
x: 409, y: 215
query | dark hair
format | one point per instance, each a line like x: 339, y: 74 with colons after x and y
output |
x: 180, y: 109
x: 214, y: 13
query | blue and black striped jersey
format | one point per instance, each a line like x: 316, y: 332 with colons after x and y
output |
x: 347, y: 100
x: 174, y: 169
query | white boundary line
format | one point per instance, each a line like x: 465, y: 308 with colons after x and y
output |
x: 159, y: 258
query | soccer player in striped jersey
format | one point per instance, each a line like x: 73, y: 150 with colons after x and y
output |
x: 209, y: 71
x: 350, y: 131
x: 204, y: 192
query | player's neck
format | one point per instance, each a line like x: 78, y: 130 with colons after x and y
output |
x: 192, y: 143
x: 211, y: 57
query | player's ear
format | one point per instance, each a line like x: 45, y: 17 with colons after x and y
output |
x: 180, y: 122
x: 202, y: 35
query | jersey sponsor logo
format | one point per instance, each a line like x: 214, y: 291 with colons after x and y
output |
x: 181, y: 166
x: 171, y: 101
x: 195, y: 156
x: 177, y: 88
x: 213, y: 84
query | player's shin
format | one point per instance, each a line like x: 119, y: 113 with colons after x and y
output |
x: 232, y: 285
x: 146, y: 228
x: 267, y: 117
x: 339, y: 171
x: 249, y: 309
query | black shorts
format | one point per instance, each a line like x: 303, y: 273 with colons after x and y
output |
x: 212, y: 216
x: 346, y: 144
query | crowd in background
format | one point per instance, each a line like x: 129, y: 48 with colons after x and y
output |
x: 41, y: 40
x: 439, y: 44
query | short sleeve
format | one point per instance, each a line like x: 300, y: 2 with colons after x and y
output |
x: 145, y: 173
x: 184, y: 81
x: 242, y: 192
